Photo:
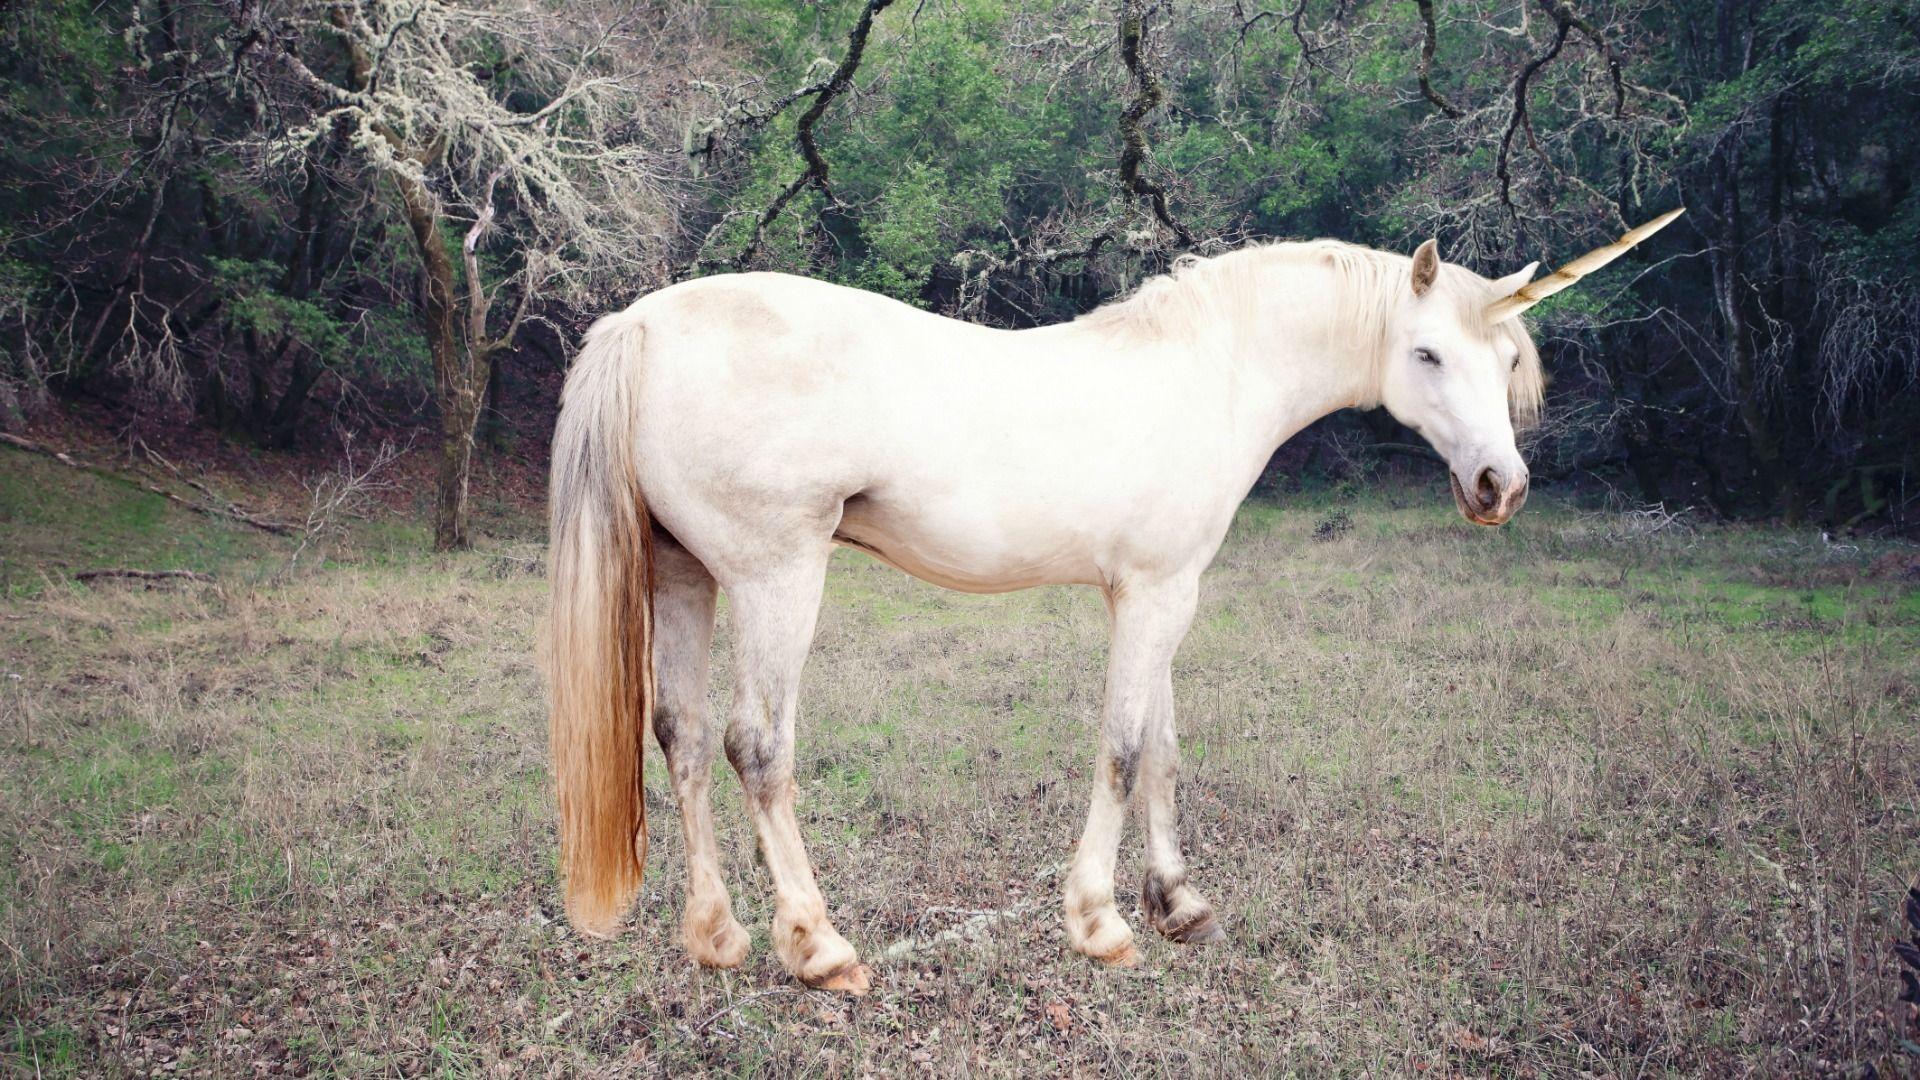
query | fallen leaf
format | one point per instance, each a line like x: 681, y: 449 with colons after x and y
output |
x: 1467, y: 1040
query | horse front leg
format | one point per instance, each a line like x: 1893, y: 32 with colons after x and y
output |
x: 1149, y: 621
x: 773, y: 621
x: 1175, y: 909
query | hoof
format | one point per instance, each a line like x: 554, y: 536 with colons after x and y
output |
x: 1104, y: 936
x: 815, y: 953
x: 1178, y: 912
x: 716, y: 943
x: 1200, y: 931
x: 853, y: 980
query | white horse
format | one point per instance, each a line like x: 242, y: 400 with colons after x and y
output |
x: 726, y: 433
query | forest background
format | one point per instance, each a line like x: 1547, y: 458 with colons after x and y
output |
x: 294, y: 223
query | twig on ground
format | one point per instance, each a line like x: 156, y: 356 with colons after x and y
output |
x: 732, y: 1005
x: 32, y: 447
x: 1646, y: 522
x: 979, y: 923
x: 143, y: 575
x: 965, y: 933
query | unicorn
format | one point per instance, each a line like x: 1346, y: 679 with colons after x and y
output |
x: 727, y: 433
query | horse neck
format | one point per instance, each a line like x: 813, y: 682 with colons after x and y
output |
x: 1302, y: 349
x: 1271, y: 339
x: 1285, y: 345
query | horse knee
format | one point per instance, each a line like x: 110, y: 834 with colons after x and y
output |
x: 677, y: 732
x: 758, y: 756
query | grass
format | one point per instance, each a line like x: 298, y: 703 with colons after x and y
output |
x: 54, y: 523
x: 1560, y: 799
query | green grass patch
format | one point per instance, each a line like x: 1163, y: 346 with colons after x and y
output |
x: 60, y: 520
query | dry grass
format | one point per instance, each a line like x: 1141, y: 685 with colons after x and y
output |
x: 1560, y: 799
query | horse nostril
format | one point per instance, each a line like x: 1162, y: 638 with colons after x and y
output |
x: 1487, y: 487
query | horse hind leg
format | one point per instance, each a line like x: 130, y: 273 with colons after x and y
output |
x: 683, y: 612
x: 773, y: 617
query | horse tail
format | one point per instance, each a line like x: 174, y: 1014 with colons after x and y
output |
x: 600, y: 648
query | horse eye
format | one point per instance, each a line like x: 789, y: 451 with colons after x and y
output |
x: 1516, y: 364
x: 1426, y: 356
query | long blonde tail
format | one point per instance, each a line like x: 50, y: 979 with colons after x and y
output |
x: 600, y: 648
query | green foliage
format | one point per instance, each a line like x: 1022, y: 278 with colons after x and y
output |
x: 389, y: 344
x: 53, y: 56
x: 254, y: 305
x: 23, y: 287
x: 956, y: 141
x: 382, y: 342
x: 902, y: 234
x: 56, y: 64
x: 951, y: 149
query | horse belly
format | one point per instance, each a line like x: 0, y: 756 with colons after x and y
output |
x: 959, y: 548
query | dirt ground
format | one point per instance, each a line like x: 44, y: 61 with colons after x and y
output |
x: 1595, y: 794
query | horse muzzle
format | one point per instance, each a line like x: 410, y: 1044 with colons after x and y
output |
x: 1493, y: 497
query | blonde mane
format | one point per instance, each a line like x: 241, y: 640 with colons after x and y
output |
x: 1199, y: 292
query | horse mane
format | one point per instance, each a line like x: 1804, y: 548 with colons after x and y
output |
x: 1199, y: 291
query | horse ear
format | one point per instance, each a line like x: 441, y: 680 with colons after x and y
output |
x: 1426, y: 267
x: 1511, y: 284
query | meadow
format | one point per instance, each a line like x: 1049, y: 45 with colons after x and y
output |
x: 1594, y: 794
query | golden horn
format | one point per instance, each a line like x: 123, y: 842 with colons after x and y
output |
x: 1530, y: 294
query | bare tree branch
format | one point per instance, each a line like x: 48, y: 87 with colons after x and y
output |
x: 1426, y: 63
x: 816, y: 173
x: 1519, y: 116
x: 979, y: 267
x: 1133, y: 138
x: 1565, y: 16
x: 231, y: 510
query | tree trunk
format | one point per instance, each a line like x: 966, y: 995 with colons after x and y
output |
x: 459, y: 375
x: 1731, y: 291
x: 493, y: 425
x: 283, y: 426
x: 1737, y: 338
x: 460, y: 398
x: 304, y: 264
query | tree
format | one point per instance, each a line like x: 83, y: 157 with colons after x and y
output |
x: 470, y: 114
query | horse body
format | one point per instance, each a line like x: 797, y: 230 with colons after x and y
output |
x: 977, y: 459
x: 726, y: 433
